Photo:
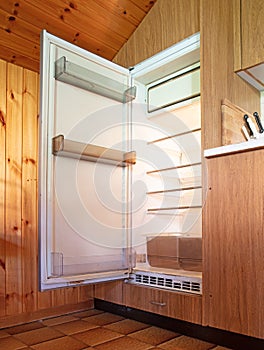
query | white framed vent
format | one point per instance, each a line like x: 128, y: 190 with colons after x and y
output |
x: 170, y: 282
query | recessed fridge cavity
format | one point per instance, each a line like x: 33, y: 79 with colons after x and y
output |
x: 120, y: 168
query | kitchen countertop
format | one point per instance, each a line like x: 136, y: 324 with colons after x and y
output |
x: 235, y: 148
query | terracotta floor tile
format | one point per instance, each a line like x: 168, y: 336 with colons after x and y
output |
x: 10, y: 343
x: 65, y: 343
x: 74, y: 327
x: 24, y: 327
x: 102, y: 319
x: 154, y: 335
x: 186, y: 343
x: 38, y: 335
x: 125, y: 342
x: 58, y: 320
x: 126, y: 326
x: 3, y: 334
x: 87, y: 313
x: 97, y: 336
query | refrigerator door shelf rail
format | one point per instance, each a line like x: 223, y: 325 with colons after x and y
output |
x: 83, y: 78
x: 89, y: 152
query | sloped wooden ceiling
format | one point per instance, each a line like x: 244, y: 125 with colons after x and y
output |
x: 99, y: 26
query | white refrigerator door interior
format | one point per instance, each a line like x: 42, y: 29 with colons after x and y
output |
x: 84, y: 166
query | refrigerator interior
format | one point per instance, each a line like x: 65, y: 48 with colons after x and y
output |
x: 167, y: 180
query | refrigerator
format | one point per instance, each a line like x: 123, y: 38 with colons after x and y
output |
x: 120, y: 171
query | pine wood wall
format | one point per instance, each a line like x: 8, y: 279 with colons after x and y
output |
x: 20, y: 299
x: 168, y: 22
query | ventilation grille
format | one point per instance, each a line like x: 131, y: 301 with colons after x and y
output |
x: 176, y: 283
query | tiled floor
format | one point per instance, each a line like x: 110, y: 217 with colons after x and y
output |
x: 94, y: 329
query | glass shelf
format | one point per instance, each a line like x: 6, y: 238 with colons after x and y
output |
x: 78, y: 150
x: 173, y: 168
x: 175, y: 190
x: 84, y: 78
x: 175, y: 135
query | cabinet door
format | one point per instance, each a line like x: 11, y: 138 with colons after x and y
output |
x: 177, y: 305
x: 110, y: 291
x: 252, y: 34
x: 233, y: 275
x: 248, y: 34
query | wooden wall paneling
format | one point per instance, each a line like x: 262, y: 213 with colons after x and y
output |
x: 9, y: 56
x: 143, y: 4
x: 27, y: 13
x: 218, y: 80
x: 76, y: 17
x: 166, y: 23
x: 21, y: 45
x: 45, y: 300
x: 126, y: 9
x: 29, y: 190
x: 71, y: 295
x: 13, y: 190
x: 3, y: 82
x: 58, y: 296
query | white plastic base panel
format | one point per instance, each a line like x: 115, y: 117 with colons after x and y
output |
x: 170, y: 282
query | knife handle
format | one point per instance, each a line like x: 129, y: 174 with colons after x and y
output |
x: 257, y: 118
x: 247, y: 124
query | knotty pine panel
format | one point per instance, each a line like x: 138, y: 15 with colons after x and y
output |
x: 3, y: 75
x: 13, y: 190
x: 101, y: 27
x: 167, y: 23
x: 29, y: 190
x: 20, y: 300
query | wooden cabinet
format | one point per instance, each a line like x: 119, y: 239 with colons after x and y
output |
x: 182, y: 306
x: 233, y: 275
x: 249, y: 33
x: 110, y: 291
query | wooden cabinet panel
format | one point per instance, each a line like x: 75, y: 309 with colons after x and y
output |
x: 110, y: 291
x: 248, y: 33
x: 233, y: 275
x: 252, y: 34
x: 182, y: 306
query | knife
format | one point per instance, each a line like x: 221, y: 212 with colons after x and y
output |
x: 253, y: 128
x: 257, y: 118
x: 247, y: 125
x: 245, y: 133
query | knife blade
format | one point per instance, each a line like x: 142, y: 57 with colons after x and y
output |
x: 257, y: 118
x: 253, y: 128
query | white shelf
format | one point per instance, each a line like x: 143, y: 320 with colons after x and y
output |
x: 78, y: 150
x: 84, y: 78
x: 235, y: 148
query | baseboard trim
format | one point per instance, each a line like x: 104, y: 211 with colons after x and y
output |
x: 14, y: 320
x: 213, y: 335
